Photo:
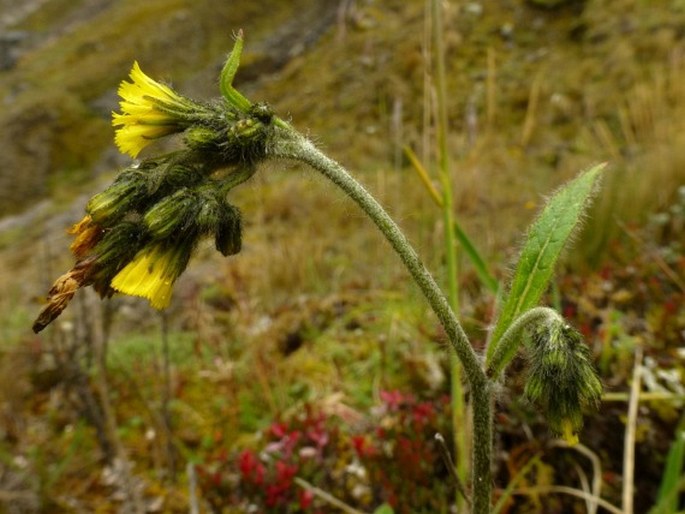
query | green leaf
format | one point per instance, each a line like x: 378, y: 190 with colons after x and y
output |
x: 545, y: 240
x: 478, y: 263
x: 384, y: 509
x: 228, y: 74
x: 671, y: 482
x: 520, y: 475
x: 469, y: 248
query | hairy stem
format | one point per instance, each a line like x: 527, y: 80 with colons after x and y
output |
x: 289, y: 144
x: 510, y: 341
x: 482, y: 406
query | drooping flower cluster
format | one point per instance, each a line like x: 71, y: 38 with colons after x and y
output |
x: 138, y: 234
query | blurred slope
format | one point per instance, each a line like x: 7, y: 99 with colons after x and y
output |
x: 566, y: 87
x: 70, y: 56
x: 555, y: 72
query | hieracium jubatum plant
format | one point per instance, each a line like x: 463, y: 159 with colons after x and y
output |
x: 139, y: 234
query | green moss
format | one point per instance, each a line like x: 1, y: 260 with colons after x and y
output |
x: 136, y: 349
x: 14, y: 322
x: 50, y: 15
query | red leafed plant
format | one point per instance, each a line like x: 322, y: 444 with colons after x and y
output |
x: 391, y: 457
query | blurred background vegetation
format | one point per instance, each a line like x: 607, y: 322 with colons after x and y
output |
x: 309, y: 355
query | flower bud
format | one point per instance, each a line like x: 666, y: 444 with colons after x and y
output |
x: 117, y: 247
x: 562, y: 377
x: 246, y: 130
x: 174, y: 216
x: 203, y: 138
x: 112, y: 204
x: 120, y: 243
x: 246, y: 141
x: 218, y: 217
x: 228, y: 236
x: 170, y: 177
x: 209, y: 213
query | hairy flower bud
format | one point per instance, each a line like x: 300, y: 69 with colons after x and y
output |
x: 169, y: 177
x: 117, y: 247
x: 203, y: 138
x: 126, y: 192
x: 228, y: 236
x: 246, y: 138
x: 174, y: 215
x: 562, y: 377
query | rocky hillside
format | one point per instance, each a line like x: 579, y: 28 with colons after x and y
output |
x: 344, y: 68
x: 61, y: 61
x: 535, y: 92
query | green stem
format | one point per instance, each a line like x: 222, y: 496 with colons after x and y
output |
x: 510, y: 341
x: 289, y: 144
x: 482, y: 407
x: 459, y: 415
x: 443, y: 163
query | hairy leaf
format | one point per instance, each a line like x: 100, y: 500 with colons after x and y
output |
x: 672, y: 480
x: 545, y: 240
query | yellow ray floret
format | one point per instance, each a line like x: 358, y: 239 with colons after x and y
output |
x: 132, y: 138
x: 151, y: 274
x: 143, y: 85
x: 149, y: 110
x: 568, y: 433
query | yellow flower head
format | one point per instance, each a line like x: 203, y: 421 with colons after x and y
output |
x: 149, y: 110
x: 152, y: 273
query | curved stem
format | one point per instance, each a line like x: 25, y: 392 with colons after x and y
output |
x: 299, y: 148
x: 289, y: 144
x: 511, y: 339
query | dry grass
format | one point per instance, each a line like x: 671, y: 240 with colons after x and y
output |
x: 315, y: 273
x: 645, y: 143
